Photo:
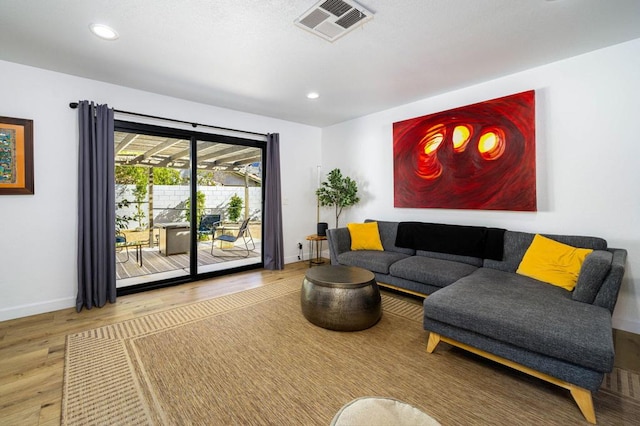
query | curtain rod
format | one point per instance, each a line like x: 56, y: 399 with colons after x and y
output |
x: 74, y: 105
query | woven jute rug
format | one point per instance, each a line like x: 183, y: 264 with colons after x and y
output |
x: 252, y: 358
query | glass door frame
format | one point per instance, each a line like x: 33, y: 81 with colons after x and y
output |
x: 194, y: 137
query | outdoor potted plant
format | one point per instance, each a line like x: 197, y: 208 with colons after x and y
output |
x: 234, y: 209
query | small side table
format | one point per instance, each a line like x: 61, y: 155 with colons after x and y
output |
x: 318, y: 239
x: 137, y: 245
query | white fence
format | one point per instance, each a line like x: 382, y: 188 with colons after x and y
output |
x: 170, y: 203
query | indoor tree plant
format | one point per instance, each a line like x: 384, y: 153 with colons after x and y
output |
x: 338, y: 191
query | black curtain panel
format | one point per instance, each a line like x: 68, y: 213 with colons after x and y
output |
x: 96, y: 207
x: 273, y: 244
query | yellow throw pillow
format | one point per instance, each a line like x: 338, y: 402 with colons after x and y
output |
x: 365, y: 236
x: 553, y: 262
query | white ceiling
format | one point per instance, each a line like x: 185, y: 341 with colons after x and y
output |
x: 248, y: 55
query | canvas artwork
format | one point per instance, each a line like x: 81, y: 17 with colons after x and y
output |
x: 480, y: 156
x: 7, y: 155
x: 16, y: 156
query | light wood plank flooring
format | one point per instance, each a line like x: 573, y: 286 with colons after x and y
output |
x: 32, y: 348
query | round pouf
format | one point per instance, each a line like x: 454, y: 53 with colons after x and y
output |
x: 375, y: 411
x: 342, y: 298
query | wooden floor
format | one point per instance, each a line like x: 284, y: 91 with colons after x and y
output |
x: 32, y: 348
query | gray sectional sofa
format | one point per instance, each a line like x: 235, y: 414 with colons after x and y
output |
x: 482, y: 305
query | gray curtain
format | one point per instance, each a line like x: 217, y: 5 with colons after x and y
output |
x: 273, y: 245
x: 96, y: 207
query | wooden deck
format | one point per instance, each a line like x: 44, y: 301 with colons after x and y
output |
x: 153, y: 262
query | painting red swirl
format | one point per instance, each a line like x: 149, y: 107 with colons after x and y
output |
x: 480, y: 156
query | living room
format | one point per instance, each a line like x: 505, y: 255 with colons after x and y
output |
x: 586, y: 112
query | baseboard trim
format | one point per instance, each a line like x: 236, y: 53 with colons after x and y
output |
x: 631, y: 326
x: 36, y: 308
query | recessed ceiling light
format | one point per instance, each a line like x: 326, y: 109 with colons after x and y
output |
x: 103, y: 31
x: 313, y: 95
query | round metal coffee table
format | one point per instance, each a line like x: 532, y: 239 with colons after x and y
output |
x: 343, y: 298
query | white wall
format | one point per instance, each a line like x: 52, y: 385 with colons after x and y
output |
x: 38, y: 232
x: 588, y: 157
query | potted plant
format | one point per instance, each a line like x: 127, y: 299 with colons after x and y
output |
x: 122, y: 220
x: 338, y: 191
x: 200, y: 208
x: 234, y: 209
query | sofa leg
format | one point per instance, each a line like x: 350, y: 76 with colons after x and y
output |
x: 585, y: 403
x: 581, y: 396
x: 433, y: 341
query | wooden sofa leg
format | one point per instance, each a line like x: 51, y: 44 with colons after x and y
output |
x: 581, y: 396
x: 434, y: 339
x: 585, y: 403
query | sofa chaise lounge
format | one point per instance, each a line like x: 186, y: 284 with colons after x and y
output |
x: 478, y: 301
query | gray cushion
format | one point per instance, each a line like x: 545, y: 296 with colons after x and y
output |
x: 608, y: 294
x: 372, y: 260
x: 388, y: 231
x: 594, y: 269
x: 475, y: 261
x: 517, y: 243
x: 339, y: 240
x: 437, y: 272
x: 413, y: 286
x: 594, y: 243
x: 526, y: 313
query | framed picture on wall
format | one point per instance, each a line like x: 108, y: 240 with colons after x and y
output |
x: 16, y: 156
x: 480, y: 156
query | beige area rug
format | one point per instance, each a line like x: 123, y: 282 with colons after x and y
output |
x: 252, y: 358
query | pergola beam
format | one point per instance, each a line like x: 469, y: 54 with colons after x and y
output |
x: 217, y: 154
x: 168, y: 143
x: 125, y: 142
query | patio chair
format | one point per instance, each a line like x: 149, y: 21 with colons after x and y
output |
x: 243, y: 233
x: 208, y: 224
x: 121, y: 244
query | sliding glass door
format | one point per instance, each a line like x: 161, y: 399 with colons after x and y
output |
x: 229, y: 205
x: 188, y: 204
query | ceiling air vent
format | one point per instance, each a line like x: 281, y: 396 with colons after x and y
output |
x: 331, y: 19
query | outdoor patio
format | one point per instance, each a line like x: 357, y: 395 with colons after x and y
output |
x: 128, y: 265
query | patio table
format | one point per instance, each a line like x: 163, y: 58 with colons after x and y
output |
x: 137, y: 245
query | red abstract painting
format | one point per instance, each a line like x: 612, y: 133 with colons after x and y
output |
x: 481, y: 156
